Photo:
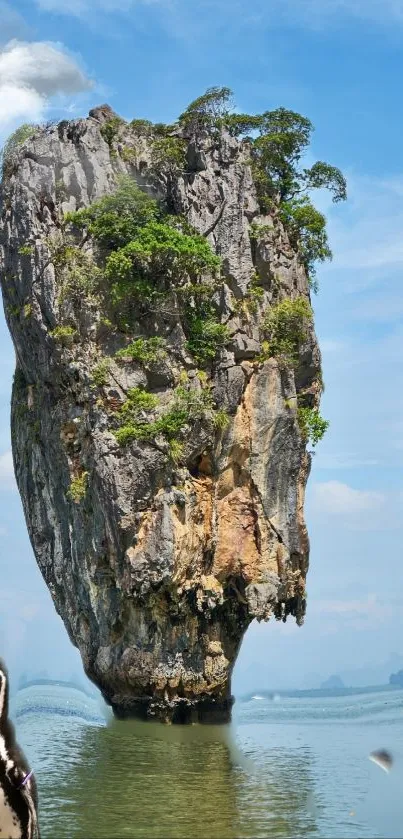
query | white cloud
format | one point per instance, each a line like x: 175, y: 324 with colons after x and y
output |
x: 30, y: 75
x: 336, y: 498
x: 43, y: 66
x: 20, y: 103
x: 7, y: 478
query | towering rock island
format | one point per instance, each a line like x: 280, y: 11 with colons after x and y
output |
x: 167, y: 384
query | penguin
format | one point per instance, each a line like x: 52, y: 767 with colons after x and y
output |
x: 18, y: 793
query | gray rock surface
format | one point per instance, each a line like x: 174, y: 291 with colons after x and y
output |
x: 158, y: 571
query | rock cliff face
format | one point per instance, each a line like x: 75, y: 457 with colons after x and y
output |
x: 156, y: 568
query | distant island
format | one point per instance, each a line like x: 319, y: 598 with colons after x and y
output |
x: 396, y: 679
x: 333, y: 683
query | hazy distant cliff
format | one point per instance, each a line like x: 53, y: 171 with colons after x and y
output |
x: 156, y: 440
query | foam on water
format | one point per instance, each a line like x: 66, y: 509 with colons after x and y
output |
x: 54, y: 700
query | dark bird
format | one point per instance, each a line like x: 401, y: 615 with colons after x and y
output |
x: 383, y: 759
x: 18, y: 794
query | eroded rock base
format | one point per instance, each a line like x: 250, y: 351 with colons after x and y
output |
x: 206, y: 710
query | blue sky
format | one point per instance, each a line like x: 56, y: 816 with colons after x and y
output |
x: 340, y: 63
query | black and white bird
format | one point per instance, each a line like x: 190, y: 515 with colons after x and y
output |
x: 18, y: 795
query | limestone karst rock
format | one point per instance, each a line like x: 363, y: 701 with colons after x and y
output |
x: 156, y: 565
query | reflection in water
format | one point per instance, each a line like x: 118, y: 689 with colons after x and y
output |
x: 278, y: 797
x: 143, y: 780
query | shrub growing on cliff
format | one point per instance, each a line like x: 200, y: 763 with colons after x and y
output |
x: 307, y: 231
x: 23, y: 133
x: 158, y: 259
x: 100, y: 373
x: 144, y: 350
x: 276, y: 155
x: 313, y: 427
x: 138, y: 400
x: 64, y: 335
x: 207, y: 111
x: 115, y: 219
x: 164, y: 255
x: 252, y: 300
x: 139, y: 421
x: 149, y: 255
x: 78, y: 488
x: 110, y: 130
x: 77, y: 272
x: 205, y: 333
x: 168, y: 156
x: 285, y: 328
x: 221, y: 419
x: 26, y: 250
x: 280, y: 180
x: 141, y: 127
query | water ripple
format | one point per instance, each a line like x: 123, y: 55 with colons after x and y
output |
x: 295, y: 767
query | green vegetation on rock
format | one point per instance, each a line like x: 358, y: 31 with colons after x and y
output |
x: 77, y: 272
x: 26, y: 250
x: 241, y: 125
x: 115, y: 219
x: 148, y: 256
x: 149, y: 263
x: 144, y: 350
x: 64, y: 335
x: 78, y: 488
x: 110, y: 130
x: 313, y: 427
x: 139, y: 418
x: 168, y: 155
x: 208, y: 112
x: 306, y: 227
x: 159, y: 256
x: 23, y: 133
x: 142, y: 127
x: 285, y: 328
x: 100, y: 373
x: 252, y: 300
x: 205, y: 333
x: 282, y: 183
x: 176, y: 450
x: 220, y: 419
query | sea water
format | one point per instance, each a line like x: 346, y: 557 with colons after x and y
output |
x: 294, y: 767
